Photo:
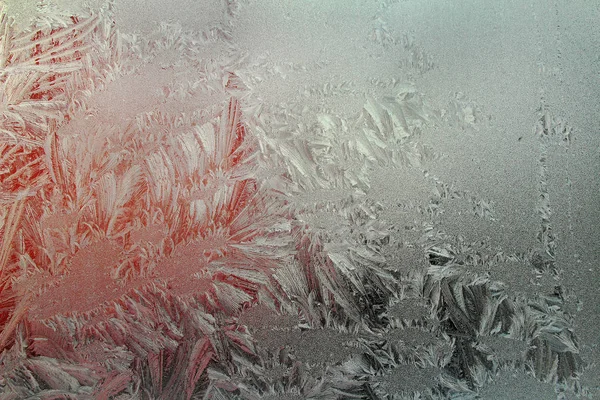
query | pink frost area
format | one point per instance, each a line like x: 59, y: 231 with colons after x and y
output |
x: 123, y: 219
x: 103, y: 271
x: 85, y: 287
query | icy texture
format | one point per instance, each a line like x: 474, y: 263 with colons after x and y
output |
x: 294, y: 200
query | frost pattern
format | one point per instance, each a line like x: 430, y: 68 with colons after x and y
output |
x: 213, y: 212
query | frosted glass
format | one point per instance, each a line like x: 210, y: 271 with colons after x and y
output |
x: 299, y: 199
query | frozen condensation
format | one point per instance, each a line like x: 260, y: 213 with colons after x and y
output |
x: 298, y: 199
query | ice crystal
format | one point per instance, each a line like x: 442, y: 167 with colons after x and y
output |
x: 518, y: 386
x: 259, y: 200
x: 504, y: 349
x: 129, y: 14
x: 407, y: 380
x: 410, y: 309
